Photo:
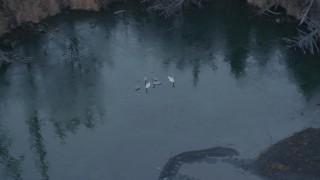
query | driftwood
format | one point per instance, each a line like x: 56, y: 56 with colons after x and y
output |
x: 173, y: 7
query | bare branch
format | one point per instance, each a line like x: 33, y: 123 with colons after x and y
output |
x: 306, y: 11
x: 308, y: 39
x: 172, y: 7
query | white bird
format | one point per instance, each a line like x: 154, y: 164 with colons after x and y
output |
x: 157, y: 82
x: 171, y: 79
x: 148, y: 84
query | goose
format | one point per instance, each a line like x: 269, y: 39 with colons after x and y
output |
x: 148, y: 85
x: 171, y: 79
x: 157, y: 82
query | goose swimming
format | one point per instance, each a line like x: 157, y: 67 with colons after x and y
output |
x: 156, y: 82
x: 148, y: 85
x: 171, y: 79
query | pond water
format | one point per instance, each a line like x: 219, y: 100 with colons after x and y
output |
x: 72, y: 112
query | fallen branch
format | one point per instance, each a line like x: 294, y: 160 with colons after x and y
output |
x: 173, y: 7
x: 308, y: 39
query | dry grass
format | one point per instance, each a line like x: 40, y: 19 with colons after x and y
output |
x: 3, y: 24
x: 259, y: 3
x: 307, y: 12
x: 14, y: 13
x: 293, y: 7
x: 30, y: 10
x: 90, y: 5
x: 173, y: 7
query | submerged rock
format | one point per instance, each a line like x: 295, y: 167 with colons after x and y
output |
x: 294, y: 158
x: 171, y: 168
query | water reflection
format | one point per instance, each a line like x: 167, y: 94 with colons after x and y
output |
x: 37, y: 145
x: 10, y: 166
x: 58, y: 93
x: 88, y: 117
x: 306, y: 73
x: 178, y: 42
x: 82, y: 78
x: 237, y: 42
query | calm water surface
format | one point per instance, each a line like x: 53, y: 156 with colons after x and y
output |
x: 72, y: 112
